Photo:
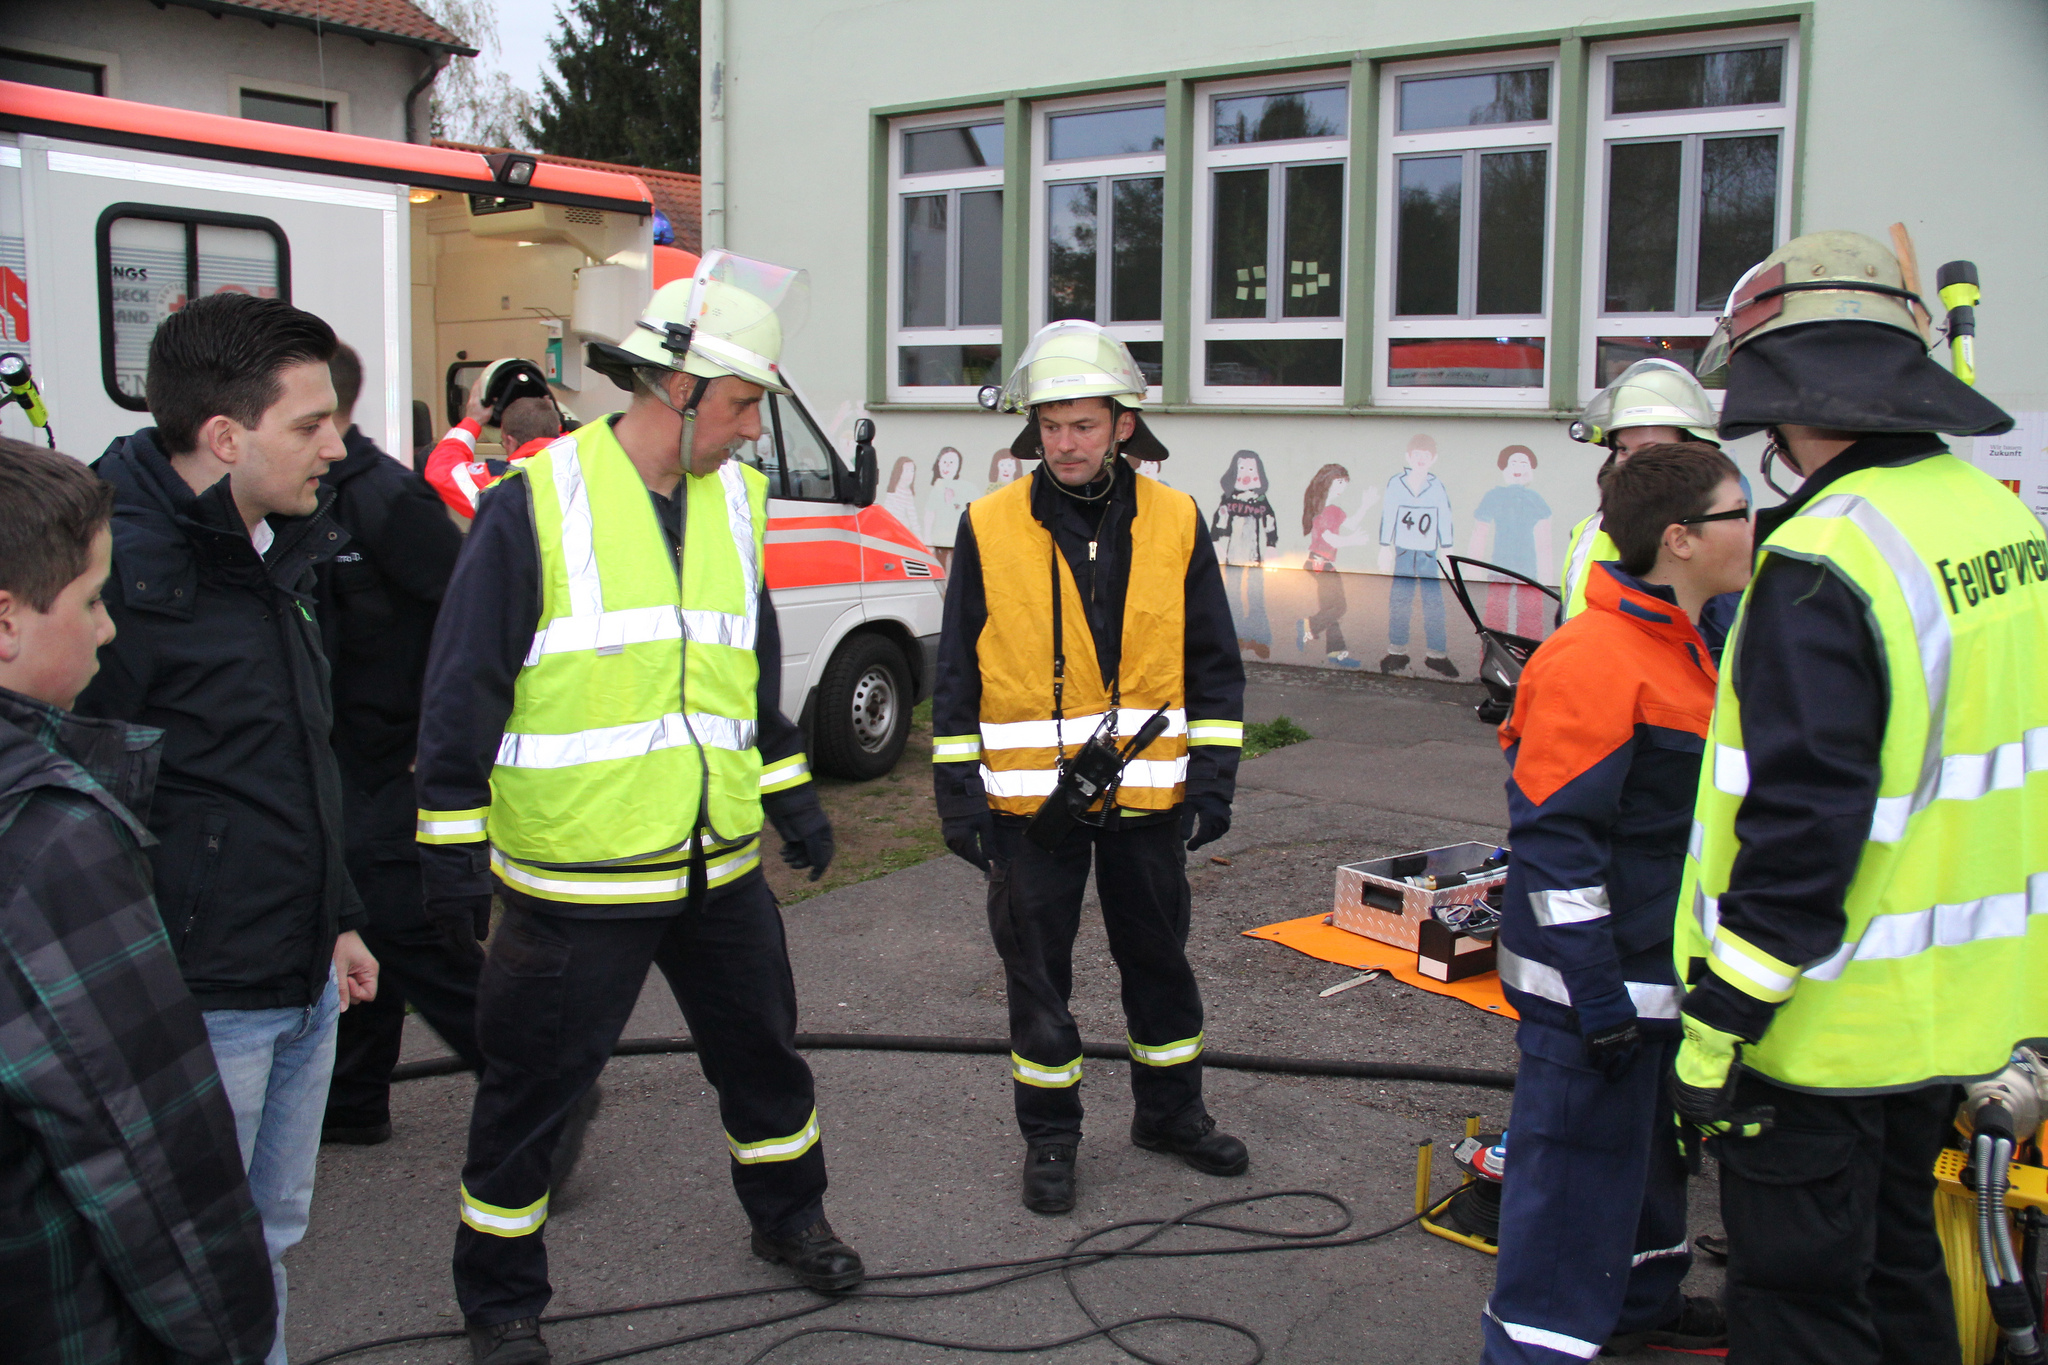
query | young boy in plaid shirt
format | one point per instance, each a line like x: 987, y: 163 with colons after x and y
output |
x: 126, y: 1229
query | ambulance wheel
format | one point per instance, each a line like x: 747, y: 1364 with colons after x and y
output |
x: 863, y: 709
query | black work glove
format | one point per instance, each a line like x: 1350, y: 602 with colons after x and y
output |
x: 1610, y: 1031
x: 973, y: 837
x: 805, y: 829
x: 464, y: 922
x: 1204, y: 818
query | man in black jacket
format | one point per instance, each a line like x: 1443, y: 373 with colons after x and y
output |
x: 219, y: 525
x: 126, y: 1231
x: 378, y: 600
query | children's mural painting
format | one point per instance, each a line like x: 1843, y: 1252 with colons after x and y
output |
x: 1381, y: 506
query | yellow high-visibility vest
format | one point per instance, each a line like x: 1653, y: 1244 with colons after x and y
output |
x: 1589, y: 545
x: 1020, y: 740
x: 1944, y: 962
x: 633, y: 722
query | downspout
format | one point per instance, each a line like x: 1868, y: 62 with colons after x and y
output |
x: 437, y: 59
x: 711, y: 121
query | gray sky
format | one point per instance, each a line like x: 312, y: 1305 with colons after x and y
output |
x: 523, y: 29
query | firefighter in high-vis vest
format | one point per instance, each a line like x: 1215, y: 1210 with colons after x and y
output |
x: 1652, y: 402
x: 1864, y: 913
x: 1087, y: 597
x: 601, y: 742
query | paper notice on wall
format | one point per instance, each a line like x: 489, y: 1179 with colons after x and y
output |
x: 2019, y: 460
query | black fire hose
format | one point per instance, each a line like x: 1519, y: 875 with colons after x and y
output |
x: 1000, y: 1047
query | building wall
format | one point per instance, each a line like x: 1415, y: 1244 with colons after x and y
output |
x: 810, y: 86
x: 184, y: 58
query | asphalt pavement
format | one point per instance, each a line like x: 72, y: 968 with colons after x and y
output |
x: 923, y: 1149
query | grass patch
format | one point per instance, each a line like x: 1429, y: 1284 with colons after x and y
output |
x: 881, y: 826
x: 1266, y: 735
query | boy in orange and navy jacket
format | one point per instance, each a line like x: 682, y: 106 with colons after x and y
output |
x: 1605, y: 742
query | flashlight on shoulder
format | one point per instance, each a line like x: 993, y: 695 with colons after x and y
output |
x: 1957, y: 282
x: 21, y: 388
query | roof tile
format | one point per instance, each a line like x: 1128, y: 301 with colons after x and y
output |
x: 397, y: 17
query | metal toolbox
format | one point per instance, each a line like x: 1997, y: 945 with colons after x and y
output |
x: 1373, y: 902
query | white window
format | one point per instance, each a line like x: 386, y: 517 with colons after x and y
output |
x: 1098, y: 215
x: 1467, y: 171
x: 1688, y: 185
x: 1269, y: 197
x: 945, y: 256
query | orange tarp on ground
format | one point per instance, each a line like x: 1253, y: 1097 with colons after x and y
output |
x: 1312, y: 936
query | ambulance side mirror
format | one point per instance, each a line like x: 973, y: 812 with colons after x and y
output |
x: 866, y: 472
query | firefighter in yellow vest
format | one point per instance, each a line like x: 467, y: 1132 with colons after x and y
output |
x: 1652, y: 402
x: 1864, y: 912
x: 1086, y: 598
x: 602, y: 741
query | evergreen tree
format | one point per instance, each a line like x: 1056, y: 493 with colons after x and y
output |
x: 628, y: 84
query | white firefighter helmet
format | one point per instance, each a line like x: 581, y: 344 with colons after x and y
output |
x: 1653, y: 392
x: 730, y: 318
x: 1068, y: 360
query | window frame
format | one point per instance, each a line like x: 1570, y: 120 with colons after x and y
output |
x: 193, y: 220
x: 1278, y: 156
x: 1396, y: 146
x: 1102, y: 171
x: 1604, y: 130
x: 901, y: 187
x: 109, y: 63
x: 335, y: 100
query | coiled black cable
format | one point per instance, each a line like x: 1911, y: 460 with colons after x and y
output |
x: 1077, y: 1256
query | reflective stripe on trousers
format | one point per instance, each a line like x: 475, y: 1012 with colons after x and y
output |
x: 499, y: 1222
x: 776, y: 1149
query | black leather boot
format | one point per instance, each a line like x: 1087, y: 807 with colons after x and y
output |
x: 1197, y: 1143
x: 818, y: 1257
x: 517, y: 1342
x: 1049, y: 1177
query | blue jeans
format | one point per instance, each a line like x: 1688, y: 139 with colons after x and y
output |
x: 1415, y: 571
x: 274, y: 1066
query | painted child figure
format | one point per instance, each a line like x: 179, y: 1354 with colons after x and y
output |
x: 1415, y: 522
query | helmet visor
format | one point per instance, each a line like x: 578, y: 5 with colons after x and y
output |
x: 749, y: 350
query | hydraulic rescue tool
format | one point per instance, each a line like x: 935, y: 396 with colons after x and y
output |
x: 2003, y: 1119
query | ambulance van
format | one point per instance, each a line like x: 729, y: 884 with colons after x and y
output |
x: 430, y: 261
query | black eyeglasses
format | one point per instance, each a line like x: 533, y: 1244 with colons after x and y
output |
x: 1732, y: 514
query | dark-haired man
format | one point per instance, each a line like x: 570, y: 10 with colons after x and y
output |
x: 1604, y: 746
x: 378, y: 600
x: 1088, y: 596
x: 126, y: 1231
x: 219, y: 525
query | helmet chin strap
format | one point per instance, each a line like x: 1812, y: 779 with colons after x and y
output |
x: 686, y: 440
x: 1774, y: 450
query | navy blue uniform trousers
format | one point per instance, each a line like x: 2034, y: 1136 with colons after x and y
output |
x: 555, y: 995
x: 1034, y: 912
x: 1592, y: 1209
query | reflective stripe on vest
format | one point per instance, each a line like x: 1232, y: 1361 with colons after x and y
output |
x: 1590, y: 544
x: 641, y: 882
x: 1943, y: 962
x: 1020, y: 743
x: 637, y: 699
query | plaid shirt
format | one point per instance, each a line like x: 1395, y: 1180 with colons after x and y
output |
x: 126, y: 1229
